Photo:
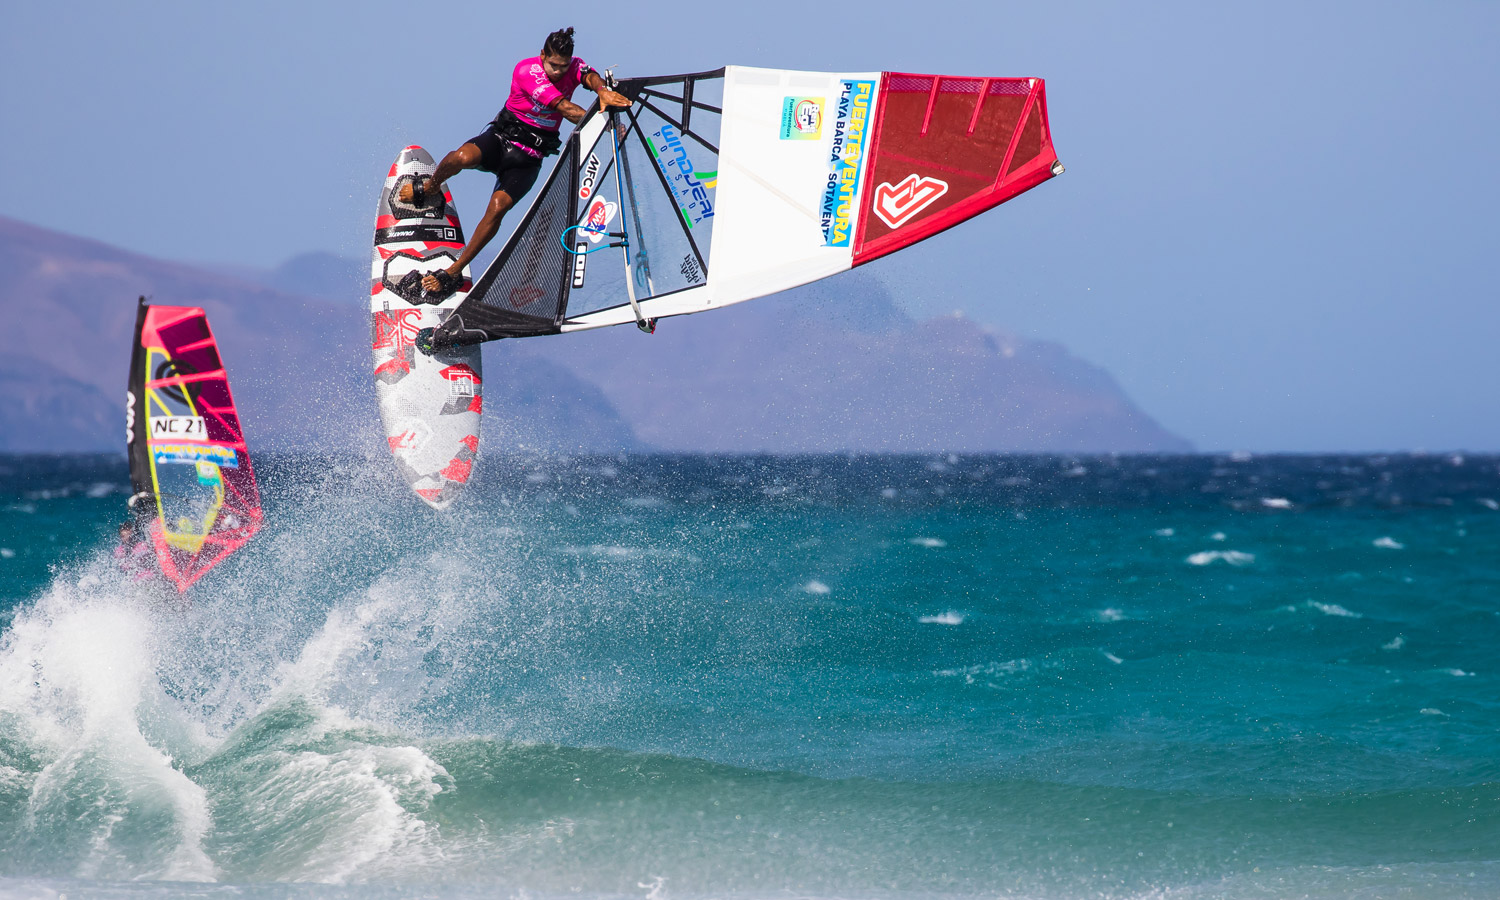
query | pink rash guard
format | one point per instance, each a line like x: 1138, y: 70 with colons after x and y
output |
x: 531, y: 92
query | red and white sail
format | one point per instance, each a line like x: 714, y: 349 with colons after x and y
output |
x: 723, y: 186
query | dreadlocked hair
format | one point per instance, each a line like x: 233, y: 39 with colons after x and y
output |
x: 559, y: 42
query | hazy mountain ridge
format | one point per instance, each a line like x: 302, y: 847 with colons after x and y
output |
x: 838, y: 366
x: 298, y: 365
x: 834, y: 366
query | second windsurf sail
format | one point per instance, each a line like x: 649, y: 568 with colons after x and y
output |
x: 195, y: 497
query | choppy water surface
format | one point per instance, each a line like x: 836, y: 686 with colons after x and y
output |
x: 663, y: 677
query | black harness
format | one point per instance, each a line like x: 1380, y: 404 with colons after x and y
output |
x: 509, y: 126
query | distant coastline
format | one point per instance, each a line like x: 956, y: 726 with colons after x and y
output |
x: 835, y: 367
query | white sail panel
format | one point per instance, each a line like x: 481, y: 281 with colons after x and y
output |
x: 790, y: 180
x: 774, y: 178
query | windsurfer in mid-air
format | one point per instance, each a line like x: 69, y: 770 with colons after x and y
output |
x: 512, y: 147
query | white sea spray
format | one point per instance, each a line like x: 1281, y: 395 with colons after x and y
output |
x: 1333, y: 609
x: 951, y: 617
x: 983, y: 671
x: 1232, y: 557
x: 78, y: 669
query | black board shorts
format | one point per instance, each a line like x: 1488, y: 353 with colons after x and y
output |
x: 514, y: 169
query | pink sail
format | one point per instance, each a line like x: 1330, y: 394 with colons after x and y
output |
x: 195, y: 491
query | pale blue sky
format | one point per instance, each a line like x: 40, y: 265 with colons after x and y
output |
x: 1276, y: 229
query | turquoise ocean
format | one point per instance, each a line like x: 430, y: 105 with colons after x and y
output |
x: 665, y: 677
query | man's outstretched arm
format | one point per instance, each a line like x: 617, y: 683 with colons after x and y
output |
x: 594, y: 82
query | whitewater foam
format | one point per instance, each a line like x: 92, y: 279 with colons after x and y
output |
x: 337, y: 816
x: 972, y: 674
x: 615, y: 551
x: 1333, y: 609
x: 951, y: 617
x: 1232, y: 557
x: 77, y: 669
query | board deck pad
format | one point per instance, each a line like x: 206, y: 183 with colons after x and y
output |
x: 430, y: 406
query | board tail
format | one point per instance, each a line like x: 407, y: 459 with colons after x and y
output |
x: 195, y: 489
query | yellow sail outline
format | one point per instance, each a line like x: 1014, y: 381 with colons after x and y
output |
x: 184, y: 538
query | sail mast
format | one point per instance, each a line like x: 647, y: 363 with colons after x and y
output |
x: 638, y: 232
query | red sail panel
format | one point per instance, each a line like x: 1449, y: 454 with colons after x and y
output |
x: 197, y: 466
x: 946, y: 149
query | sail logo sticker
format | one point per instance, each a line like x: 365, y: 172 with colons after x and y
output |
x: 178, y: 428
x: 223, y: 457
x: 846, y: 161
x: 587, y: 178
x: 897, y: 204
x: 580, y: 262
x: 689, y: 187
x: 801, y: 118
x: 601, y: 213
